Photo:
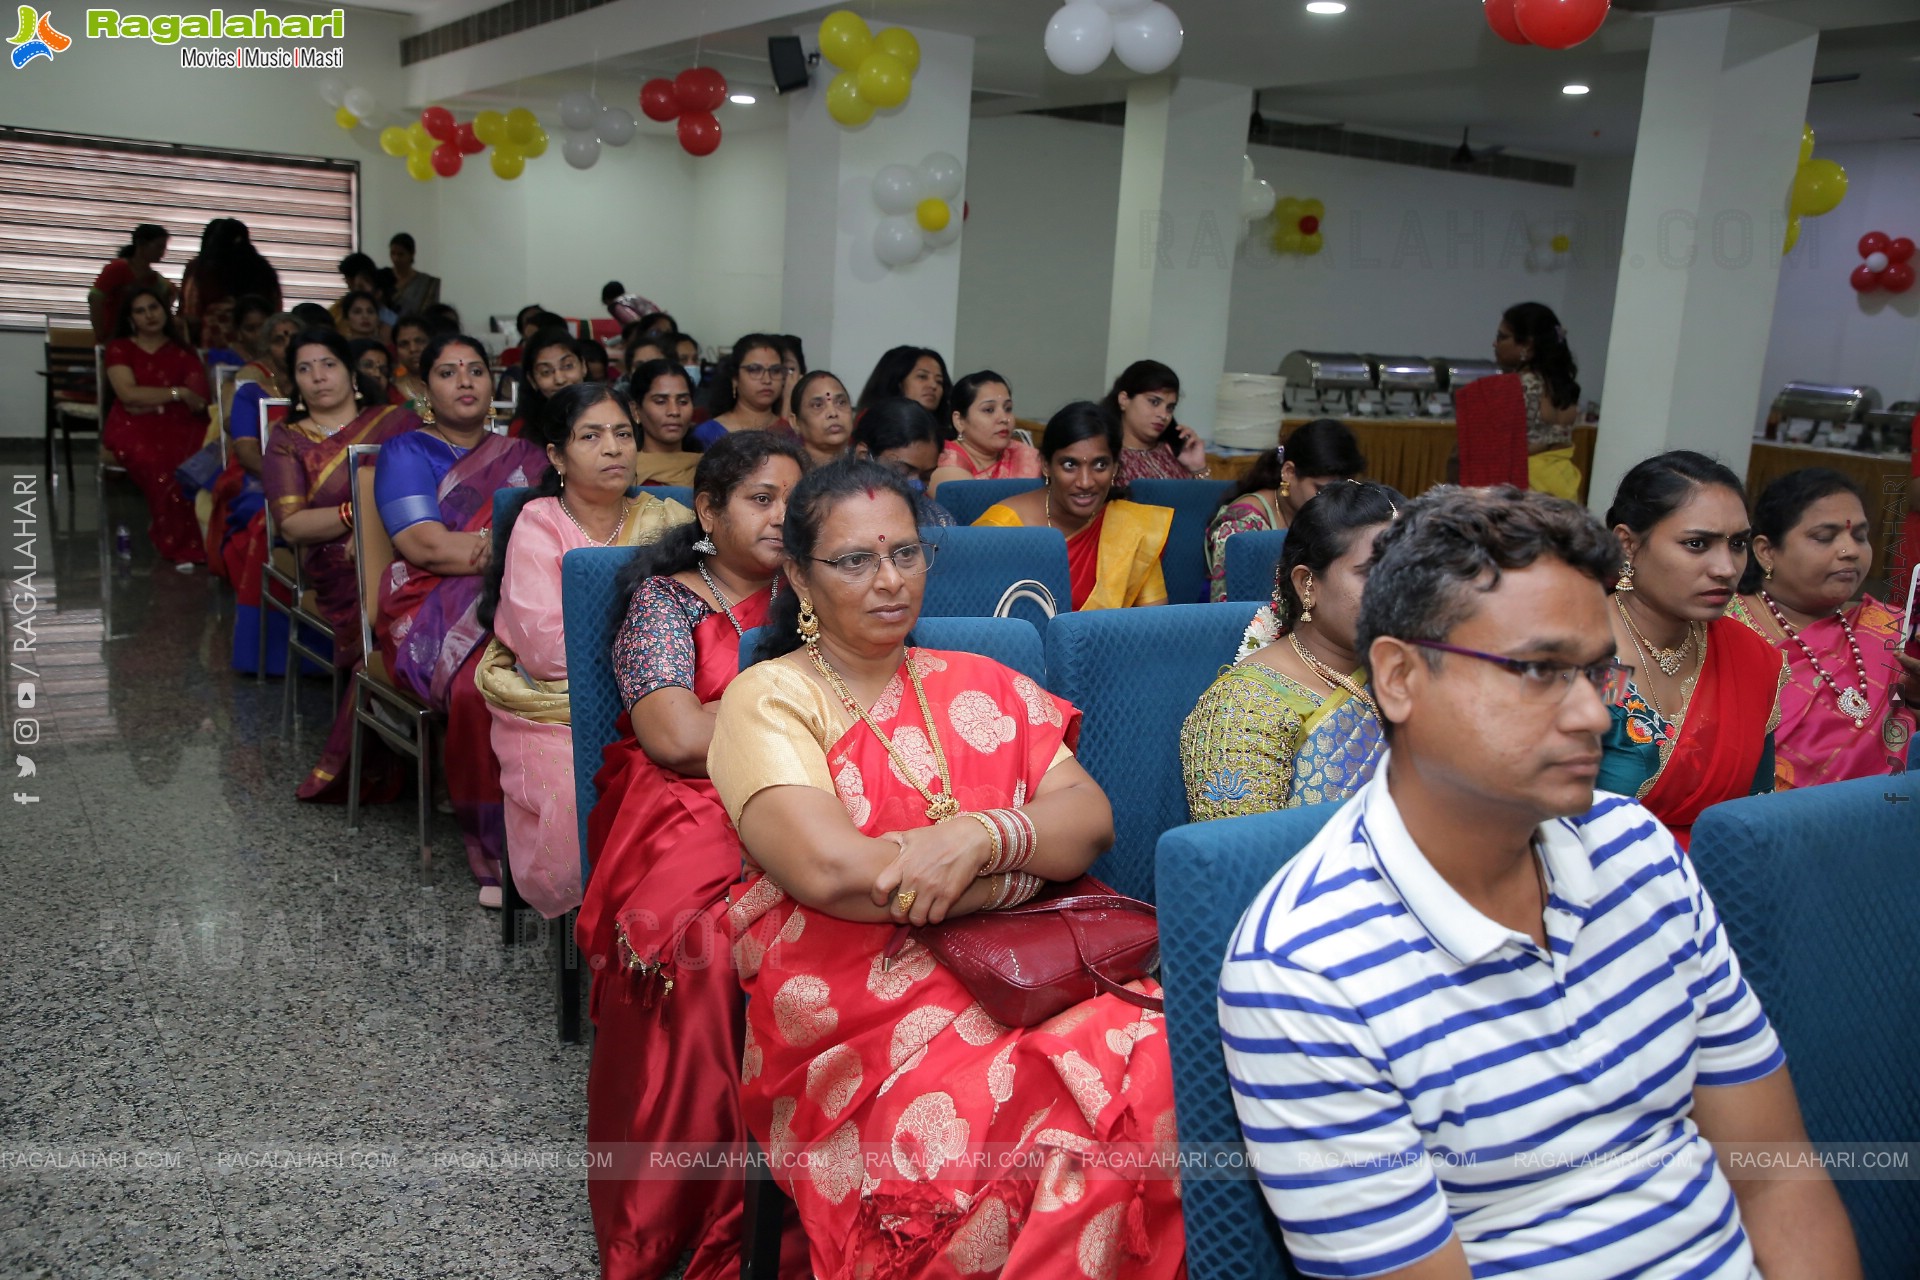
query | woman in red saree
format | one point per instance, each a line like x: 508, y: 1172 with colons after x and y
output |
x: 1696, y: 725
x: 984, y: 448
x: 158, y: 420
x: 308, y: 483
x: 667, y: 1043
x: 918, y: 1136
x: 435, y: 490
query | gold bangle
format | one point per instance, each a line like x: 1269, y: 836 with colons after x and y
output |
x: 993, y: 834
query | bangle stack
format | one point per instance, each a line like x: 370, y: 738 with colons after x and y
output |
x: 1011, y: 832
x: 1015, y: 888
x: 346, y: 515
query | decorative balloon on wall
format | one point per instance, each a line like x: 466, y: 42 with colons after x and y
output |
x: 1144, y: 34
x: 1296, y: 226
x: 876, y: 70
x: 1819, y: 185
x: 589, y: 124
x: 690, y: 98
x: 1886, y: 263
x: 1256, y: 197
x: 352, y: 104
x: 1551, y: 24
x: 921, y: 207
x: 1551, y: 250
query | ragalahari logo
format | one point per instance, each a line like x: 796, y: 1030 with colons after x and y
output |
x: 37, y: 38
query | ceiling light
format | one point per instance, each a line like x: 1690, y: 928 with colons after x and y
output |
x: 743, y: 99
x: 1575, y: 90
x: 1326, y: 6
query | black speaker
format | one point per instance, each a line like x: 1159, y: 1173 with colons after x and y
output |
x: 789, y: 63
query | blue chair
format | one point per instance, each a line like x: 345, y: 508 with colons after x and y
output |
x: 1135, y: 674
x: 974, y: 567
x: 1819, y: 889
x: 966, y: 500
x: 1251, y: 558
x: 1194, y: 503
x: 1206, y: 874
x: 1012, y: 642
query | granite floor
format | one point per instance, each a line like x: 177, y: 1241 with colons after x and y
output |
x: 238, y: 1039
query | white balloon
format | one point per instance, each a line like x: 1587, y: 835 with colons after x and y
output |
x: 897, y: 240
x: 1877, y: 262
x: 1118, y: 7
x: 1247, y: 175
x: 942, y: 176
x: 361, y: 102
x: 897, y: 188
x: 616, y: 126
x: 1540, y: 233
x: 1079, y: 37
x: 1258, y: 200
x: 578, y: 111
x: 333, y: 90
x: 946, y: 235
x: 1539, y: 258
x: 582, y: 150
x: 1148, y: 41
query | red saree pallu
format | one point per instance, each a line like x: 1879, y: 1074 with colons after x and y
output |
x: 919, y: 1137
x: 1736, y: 704
x: 665, y: 1004
x: 151, y: 445
x: 1083, y: 560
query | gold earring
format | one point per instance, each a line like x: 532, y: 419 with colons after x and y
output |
x: 1283, y: 488
x: 1306, y: 609
x: 426, y: 415
x: 1769, y: 575
x: 809, y: 624
x: 1626, y: 578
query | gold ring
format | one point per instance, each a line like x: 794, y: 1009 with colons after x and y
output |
x: 903, y: 900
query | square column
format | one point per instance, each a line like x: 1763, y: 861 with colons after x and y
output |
x: 1179, y: 226
x: 1726, y: 96
x: 846, y: 305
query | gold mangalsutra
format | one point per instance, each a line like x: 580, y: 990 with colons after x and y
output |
x: 1333, y: 679
x: 1670, y: 661
x: 940, y: 807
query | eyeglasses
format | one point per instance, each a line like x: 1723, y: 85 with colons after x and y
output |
x: 1543, y: 680
x: 759, y: 372
x: 910, y: 559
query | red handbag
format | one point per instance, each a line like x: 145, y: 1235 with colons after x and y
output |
x: 1027, y: 963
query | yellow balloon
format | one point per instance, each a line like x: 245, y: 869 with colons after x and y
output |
x: 933, y: 214
x: 845, y: 39
x: 522, y: 125
x: 420, y: 166
x: 1793, y: 235
x: 844, y: 102
x: 1806, y: 143
x: 345, y: 118
x: 1313, y: 244
x: 1289, y: 212
x: 536, y: 146
x: 1312, y: 209
x: 490, y: 127
x: 418, y: 139
x: 900, y: 42
x: 393, y: 140
x: 1561, y: 244
x: 508, y: 163
x: 884, y: 80
x: 1289, y: 239
x: 1818, y: 188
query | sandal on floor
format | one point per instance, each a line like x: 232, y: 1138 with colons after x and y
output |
x: 490, y: 897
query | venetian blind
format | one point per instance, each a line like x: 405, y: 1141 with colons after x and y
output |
x: 68, y: 203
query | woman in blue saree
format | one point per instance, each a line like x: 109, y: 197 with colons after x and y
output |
x: 1291, y: 722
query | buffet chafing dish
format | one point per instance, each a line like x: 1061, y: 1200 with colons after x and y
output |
x: 1823, y: 415
x: 1890, y: 430
x: 1405, y: 382
x: 1325, y: 381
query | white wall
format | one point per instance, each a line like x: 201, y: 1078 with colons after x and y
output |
x: 1822, y: 330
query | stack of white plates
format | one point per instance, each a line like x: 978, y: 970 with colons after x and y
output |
x: 1249, y: 410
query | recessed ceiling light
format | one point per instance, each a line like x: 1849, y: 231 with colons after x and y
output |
x: 743, y: 99
x: 1575, y: 90
x: 1326, y: 6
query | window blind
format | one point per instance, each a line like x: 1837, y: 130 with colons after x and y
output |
x: 69, y: 203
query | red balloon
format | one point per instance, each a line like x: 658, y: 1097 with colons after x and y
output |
x: 966, y: 210
x: 1865, y: 279
x: 1309, y: 225
x: 438, y: 121
x: 446, y: 159
x: 1559, y: 24
x: 1899, y: 250
x: 1875, y: 242
x: 1897, y: 278
x: 658, y: 101
x: 699, y: 133
x: 1500, y: 18
x: 466, y: 142
x: 700, y: 89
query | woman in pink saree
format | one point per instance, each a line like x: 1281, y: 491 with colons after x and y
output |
x: 918, y: 1136
x: 1847, y: 709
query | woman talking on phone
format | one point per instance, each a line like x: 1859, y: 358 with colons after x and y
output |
x: 1153, y: 445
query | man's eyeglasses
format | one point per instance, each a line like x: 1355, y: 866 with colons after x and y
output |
x: 1542, y: 680
x: 910, y: 558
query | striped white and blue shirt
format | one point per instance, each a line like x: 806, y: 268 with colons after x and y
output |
x: 1405, y: 1068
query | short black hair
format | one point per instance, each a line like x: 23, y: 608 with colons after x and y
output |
x: 404, y: 240
x: 357, y: 264
x: 611, y: 290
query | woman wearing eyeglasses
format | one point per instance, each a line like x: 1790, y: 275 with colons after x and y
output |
x: 666, y: 1054
x: 876, y: 785
x: 1113, y: 546
x: 1292, y: 723
x: 747, y: 391
x: 1696, y: 724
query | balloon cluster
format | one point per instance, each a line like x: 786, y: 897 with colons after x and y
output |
x: 1551, y: 250
x: 1144, y: 34
x: 1256, y: 196
x: 437, y: 145
x: 1296, y: 226
x: 918, y: 203
x: 1819, y: 185
x: 588, y: 124
x: 352, y: 105
x: 690, y: 98
x: 1888, y: 264
x: 1551, y: 24
x: 876, y: 70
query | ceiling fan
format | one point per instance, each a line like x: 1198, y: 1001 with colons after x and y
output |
x: 1466, y: 155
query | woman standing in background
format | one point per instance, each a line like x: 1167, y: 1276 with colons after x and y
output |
x: 1532, y: 343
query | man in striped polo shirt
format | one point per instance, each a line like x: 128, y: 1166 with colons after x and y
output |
x: 1487, y: 1022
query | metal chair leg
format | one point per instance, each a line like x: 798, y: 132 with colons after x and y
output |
x: 353, y: 770
x: 512, y: 906
x: 290, y: 700
x: 266, y: 612
x: 423, y: 738
x: 567, y: 975
x: 762, y: 1219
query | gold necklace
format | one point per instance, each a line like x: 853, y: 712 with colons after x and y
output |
x: 1333, y: 679
x: 1670, y: 661
x: 1686, y: 686
x: 940, y: 807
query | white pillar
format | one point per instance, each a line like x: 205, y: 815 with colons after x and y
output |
x: 846, y: 305
x: 1179, y: 224
x: 1726, y: 96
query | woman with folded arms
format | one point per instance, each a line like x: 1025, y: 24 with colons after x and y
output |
x: 663, y: 404
x: 1292, y: 723
x: 823, y: 416
x: 1279, y: 483
x: 984, y: 447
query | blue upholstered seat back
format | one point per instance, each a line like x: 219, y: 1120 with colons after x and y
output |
x: 1135, y: 674
x: 1194, y: 503
x: 1251, y: 558
x: 1819, y: 890
x: 592, y: 610
x: 967, y: 500
x: 1012, y: 642
x: 1207, y: 873
x: 974, y: 567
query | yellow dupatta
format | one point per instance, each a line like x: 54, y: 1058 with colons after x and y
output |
x: 1131, y: 539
